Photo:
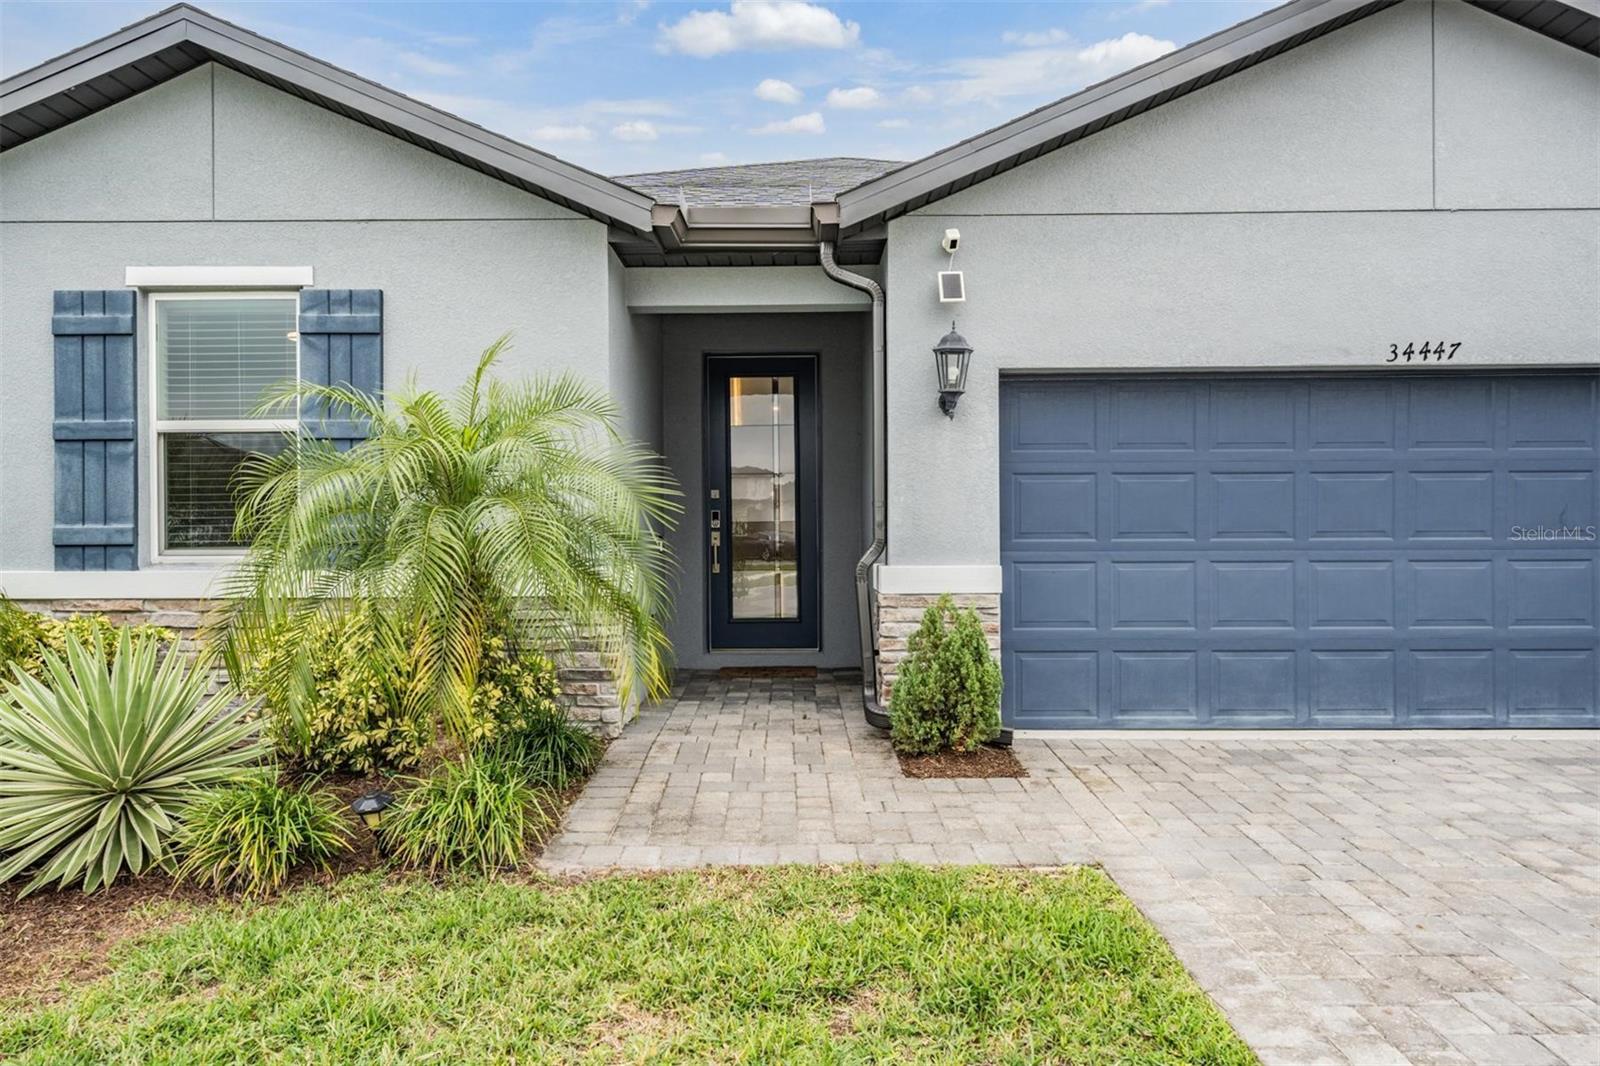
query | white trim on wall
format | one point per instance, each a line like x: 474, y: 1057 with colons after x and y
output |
x: 217, y: 277
x: 159, y: 583
x: 913, y: 580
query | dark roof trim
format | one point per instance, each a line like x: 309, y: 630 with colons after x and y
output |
x: 1573, y: 22
x: 67, y: 88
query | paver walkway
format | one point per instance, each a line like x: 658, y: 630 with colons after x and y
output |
x: 1362, y: 899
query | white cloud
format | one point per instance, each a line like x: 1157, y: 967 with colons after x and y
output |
x: 1036, y: 38
x: 895, y: 124
x: 918, y: 94
x: 758, y: 25
x: 810, y: 122
x: 421, y: 64
x: 637, y: 130
x: 562, y: 134
x: 1051, y: 71
x: 856, y: 99
x: 777, y: 91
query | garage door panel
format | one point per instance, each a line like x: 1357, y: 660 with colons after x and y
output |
x: 1255, y: 688
x: 1452, y: 688
x: 1253, y: 595
x: 1550, y: 413
x: 1552, y: 592
x: 1453, y: 414
x: 1254, y: 416
x: 1555, y: 686
x: 1451, y: 505
x: 1154, y: 506
x: 1312, y: 550
x: 1253, y: 506
x: 1148, y: 418
x: 1545, y: 500
x: 1156, y: 686
x: 1452, y: 594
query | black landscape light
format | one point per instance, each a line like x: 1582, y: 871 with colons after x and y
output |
x: 369, y: 807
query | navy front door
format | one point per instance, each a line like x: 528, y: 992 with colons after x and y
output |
x: 761, y: 502
x: 1410, y: 548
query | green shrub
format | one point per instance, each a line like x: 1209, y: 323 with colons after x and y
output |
x: 476, y: 814
x: 514, y: 688
x: 26, y: 635
x: 551, y: 749
x: 517, y: 714
x: 345, y: 708
x: 98, y: 767
x: 250, y: 835
x: 948, y: 691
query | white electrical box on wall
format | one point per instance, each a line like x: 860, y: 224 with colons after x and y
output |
x: 952, y: 287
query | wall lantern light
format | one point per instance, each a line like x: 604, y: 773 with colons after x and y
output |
x: 950, y: 359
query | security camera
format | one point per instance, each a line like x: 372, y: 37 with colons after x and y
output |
x: 952, y: 241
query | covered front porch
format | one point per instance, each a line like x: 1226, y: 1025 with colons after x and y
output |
x: 755, y: 385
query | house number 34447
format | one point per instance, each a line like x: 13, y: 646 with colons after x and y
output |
x: 1428, y: 353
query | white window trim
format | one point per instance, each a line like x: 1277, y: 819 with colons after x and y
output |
x: 217, y: 277
x: 155, y: 484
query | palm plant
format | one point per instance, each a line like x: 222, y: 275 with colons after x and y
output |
x: 98, y: 764
x: 509, y: 508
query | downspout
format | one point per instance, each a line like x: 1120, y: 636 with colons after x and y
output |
x: 876, y: 715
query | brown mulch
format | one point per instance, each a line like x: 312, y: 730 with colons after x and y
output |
x: 987, y: 761
x: 54, y: 939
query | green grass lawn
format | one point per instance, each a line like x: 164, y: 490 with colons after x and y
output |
x: 790, y: 965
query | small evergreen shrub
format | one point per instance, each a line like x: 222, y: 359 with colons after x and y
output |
x: 250, y: 836
x: 475, y: 814
x: 948, y: 692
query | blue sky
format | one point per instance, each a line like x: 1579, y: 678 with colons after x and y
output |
x: 623, y: 86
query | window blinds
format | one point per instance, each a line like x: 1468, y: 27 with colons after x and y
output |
x: 217, y: 358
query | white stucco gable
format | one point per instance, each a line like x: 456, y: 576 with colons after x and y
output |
x: 1431, y: 103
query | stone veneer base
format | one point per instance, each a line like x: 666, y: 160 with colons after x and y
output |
x: 896, y: 616
x: 590, y: 690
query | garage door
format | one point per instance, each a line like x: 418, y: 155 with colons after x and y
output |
x: 1407, y: 549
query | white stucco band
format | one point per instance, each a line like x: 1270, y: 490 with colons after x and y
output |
x: 959, y: 580
x: 217, y: 277
x: 178, y: 583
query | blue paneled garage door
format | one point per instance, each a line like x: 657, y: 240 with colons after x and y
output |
x: 1406, y: 549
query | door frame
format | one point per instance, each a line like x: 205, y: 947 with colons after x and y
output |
x: 763, y: 636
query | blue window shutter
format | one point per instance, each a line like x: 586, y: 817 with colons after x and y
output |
x: 95, y: 445
x: 341, y: 343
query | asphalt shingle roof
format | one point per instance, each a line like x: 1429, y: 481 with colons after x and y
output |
x: 795, y: 183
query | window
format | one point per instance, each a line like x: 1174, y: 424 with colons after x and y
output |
x: 215, y: 357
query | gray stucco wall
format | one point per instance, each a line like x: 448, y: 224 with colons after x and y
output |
x: 1283, y: 218
x: 838, y: 342
x: 460, y: 258
x: 635, y: 368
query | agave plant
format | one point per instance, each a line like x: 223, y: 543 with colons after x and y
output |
x: 516, y: 509
x: 98, y: 764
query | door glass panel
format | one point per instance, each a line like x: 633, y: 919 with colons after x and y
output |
x: 764, y: 551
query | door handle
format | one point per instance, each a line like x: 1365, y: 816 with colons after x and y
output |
x: 716, y: 544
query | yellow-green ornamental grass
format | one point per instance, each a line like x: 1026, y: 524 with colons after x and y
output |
x: 788, y: 965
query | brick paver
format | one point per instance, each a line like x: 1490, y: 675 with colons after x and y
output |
x: 1362, y: 899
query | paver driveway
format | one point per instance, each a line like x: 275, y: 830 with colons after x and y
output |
x: 1365, y: 899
